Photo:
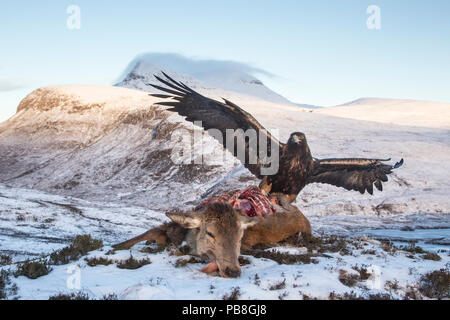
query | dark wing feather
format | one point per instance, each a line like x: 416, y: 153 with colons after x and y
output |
x: 353, y: 174
x: 216, y: 115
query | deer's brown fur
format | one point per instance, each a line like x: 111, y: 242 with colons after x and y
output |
x: 219, y: 232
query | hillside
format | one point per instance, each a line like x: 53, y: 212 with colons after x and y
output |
x: 97, y: 142
x: 112, y: 144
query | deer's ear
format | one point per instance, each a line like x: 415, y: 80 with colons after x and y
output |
x: 187, y: 220
x: 247, y: 222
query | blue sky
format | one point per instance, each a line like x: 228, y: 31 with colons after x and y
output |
x: 321, y: 52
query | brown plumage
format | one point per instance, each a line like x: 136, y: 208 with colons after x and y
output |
x: 297, y: 167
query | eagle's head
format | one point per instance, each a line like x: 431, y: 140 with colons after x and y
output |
x: 297, y: 138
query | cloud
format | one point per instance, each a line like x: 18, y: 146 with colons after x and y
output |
x: 6, y: 85
x: 194, y: 66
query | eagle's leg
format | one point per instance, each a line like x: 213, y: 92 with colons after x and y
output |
x: 285, y: 200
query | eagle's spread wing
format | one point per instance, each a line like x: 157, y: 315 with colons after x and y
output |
x: 219, y: 116
x: 353, y: 174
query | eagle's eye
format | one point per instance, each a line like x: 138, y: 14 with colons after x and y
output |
x: 296, y: 139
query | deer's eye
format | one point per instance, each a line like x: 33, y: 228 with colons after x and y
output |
x: 210, y: 234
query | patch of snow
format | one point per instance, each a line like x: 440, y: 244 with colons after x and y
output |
x: 162, y: 280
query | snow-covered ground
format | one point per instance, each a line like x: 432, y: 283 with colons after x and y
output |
x: 34, y: 224
x: 162, y: 280
x: 96, y: 160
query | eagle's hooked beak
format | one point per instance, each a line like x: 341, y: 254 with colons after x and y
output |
x: 296, y: 139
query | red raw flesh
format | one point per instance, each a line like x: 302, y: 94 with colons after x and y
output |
x: 251, y: 201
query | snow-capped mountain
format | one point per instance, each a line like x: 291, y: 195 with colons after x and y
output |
x: 113, y: 144
x: 211, y: 77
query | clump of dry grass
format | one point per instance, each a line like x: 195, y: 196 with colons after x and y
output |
x: 5, y: 260
x: 364, y: 274
x: 234, y: 295
x: 388, y: 246
x: 413, y: 248
x: 380, y: 296
x: 354, y: 296
x: 346, y: 296
x: 432, y: 256
x: 351, y: 279
x: 412, y: 293
x: 283, y: 295
x: 257, y: 280
x: 80, y: 246
x: 111, y: 296
x: 369, y: 252
x: 278, y: 286
x: 283, y: 258
x: 392, y: 285
x: 79, y: 296
x: 179, y: 251
x: 323, y: 244
x: 244, y: 261
x: 184, y: 262
x: 154, y: 249
x: 92, y: 262
x: 33, y: 269
x: 133, y: 264
x: 7, y: 287
x: 436, y: 284
x: 348, y: 279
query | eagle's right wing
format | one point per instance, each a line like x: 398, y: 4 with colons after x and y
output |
x: 217, y: 115
x: 353, y: 174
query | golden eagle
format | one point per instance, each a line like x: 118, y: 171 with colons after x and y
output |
x: 297, y: 167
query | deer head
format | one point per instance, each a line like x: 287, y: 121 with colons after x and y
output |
x: 220, y: 231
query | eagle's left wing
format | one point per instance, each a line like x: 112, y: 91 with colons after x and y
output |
x: 222, y: 116
x: 353, y: 174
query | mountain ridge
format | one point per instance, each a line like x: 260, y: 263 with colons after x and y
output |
x: 212, y: 76
x: 405, y: 112
x: 114, y: 145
